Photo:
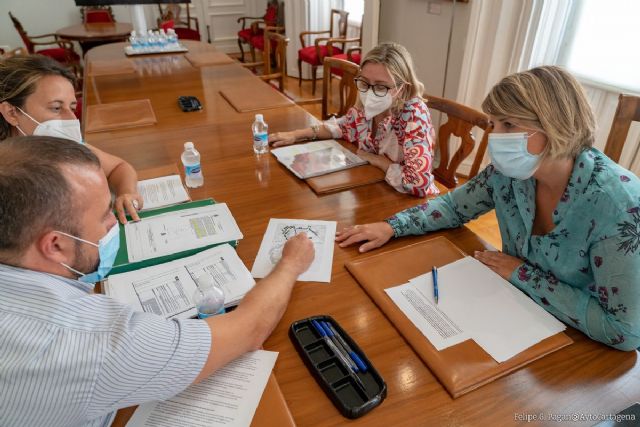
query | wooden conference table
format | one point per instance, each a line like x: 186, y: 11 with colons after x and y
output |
x: 94, y: 33
x: 584, y: 378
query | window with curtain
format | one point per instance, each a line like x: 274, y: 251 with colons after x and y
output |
x: 601, y: 43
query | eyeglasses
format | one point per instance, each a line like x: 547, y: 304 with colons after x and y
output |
x: 378, y: 90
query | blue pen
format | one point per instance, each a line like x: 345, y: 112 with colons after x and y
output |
x: 338, y: 354
x: 434, y: 273
x: 343, y: 351
x: 354, y: 356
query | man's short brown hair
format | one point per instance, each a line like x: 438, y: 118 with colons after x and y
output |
x: 35, y: 195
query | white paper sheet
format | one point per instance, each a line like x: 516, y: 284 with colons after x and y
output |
x: 497, y: 315
x: 227, y: 398
x: 321, y: 233
x: 167, y: 289
x: 162, y: 191
x: 416, y: 301
x: 181, y: 230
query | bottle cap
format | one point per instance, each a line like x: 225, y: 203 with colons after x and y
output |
x: 259, y: 118
x: 188, y: 145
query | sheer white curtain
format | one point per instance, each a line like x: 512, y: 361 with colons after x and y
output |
x: 506, y: 37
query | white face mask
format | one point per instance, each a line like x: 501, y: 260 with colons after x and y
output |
x: 373, y: 104
x: 68, y: 129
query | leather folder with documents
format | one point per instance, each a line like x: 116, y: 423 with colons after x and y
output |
x: 463, y: 367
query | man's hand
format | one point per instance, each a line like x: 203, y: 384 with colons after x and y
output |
x: 298, y: 254
x: 499, y: 262
x: 375, y: 234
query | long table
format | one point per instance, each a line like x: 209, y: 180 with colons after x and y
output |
x: 586, y: 378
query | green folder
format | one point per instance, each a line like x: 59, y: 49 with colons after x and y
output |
x: 122, y: 263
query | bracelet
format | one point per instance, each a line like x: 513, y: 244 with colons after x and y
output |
x: 315, y: 129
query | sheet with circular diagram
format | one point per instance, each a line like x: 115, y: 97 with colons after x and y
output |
x: 321, y: 233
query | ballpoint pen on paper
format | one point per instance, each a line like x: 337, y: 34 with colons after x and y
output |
x: 434, y: 274
x: 337, y: 352
x: 354, y: 356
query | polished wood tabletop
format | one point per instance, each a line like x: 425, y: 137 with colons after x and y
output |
x: 586, y: 379
x: 96, y: 31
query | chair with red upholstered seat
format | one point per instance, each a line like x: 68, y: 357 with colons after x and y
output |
x: 63, y: 51
x: 315, y: 54
x: 254, y: 30
x: 188, y: 29
x: 95, y: 14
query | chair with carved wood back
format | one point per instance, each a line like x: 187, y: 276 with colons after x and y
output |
x: 275, y: 49
x: 347, y: 90
x: 628, y: 111
x: 460, y: 120
x: 251, y: 28
x: 313, y: 55
x: 95, y: 14
x: 186, y: 28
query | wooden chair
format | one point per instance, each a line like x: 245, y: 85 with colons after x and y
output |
x: 460, y: 121
x: 91, y: 14
x: 246, y: 33
x: 18, y: 51
x: 315, y: 54
x: 275, y: 48
x: 63, y: 51
x: 347, y: 89
x: 188, y: 29
x: 628, y: 111
x: 353, y: 54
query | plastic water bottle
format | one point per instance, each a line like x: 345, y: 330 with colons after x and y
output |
x: 209, y: 297
x: 260, y: 135
x: 172, y: 38
x: 191, y: 161
x: 135, y: 41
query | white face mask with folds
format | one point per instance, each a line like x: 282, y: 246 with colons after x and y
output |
x: 374, y: 104
x: 67, y: 129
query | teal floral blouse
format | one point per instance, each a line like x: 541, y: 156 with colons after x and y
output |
x: 586, y: 271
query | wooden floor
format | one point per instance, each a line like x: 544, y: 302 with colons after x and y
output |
x: 486, y: 226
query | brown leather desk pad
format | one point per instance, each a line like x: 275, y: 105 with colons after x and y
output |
x: 252, y: 96
x: 344, y: 179
x: 110, y: 67
x: 460, y: 368
x: 119, y: 115
x: 203, y: 59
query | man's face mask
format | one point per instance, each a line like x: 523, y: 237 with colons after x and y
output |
x: 67, y: 129
x: 510, y: 156
x: 107, y: 249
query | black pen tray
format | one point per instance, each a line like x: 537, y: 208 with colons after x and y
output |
x: 351, y: 399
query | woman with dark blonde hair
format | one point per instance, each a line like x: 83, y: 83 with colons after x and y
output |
x: 569, y: 216
x: 390, y: 122
x: 37, y: 97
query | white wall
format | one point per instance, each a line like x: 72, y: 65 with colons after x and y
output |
x: 426, y: 35
x: 44, y: 17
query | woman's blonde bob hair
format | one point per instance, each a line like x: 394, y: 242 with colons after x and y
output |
x: 400, y: 65
x: 548, y: 99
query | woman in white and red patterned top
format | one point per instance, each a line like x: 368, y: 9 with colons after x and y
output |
x: 390, y: 122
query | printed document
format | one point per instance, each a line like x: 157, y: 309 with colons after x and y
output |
x: 321, y: 233
x: 498, y: 316
x: 178, y: 231
x: 227, y: 398
x: 162, y: 191
x: 416, y: 301
x: 167, y: 289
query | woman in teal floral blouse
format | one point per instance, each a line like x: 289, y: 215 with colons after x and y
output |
x: 569, y: 216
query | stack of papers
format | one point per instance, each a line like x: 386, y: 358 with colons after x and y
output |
x: 227, y: 398
x: 181, y: 230
x: 474, y: 302
x: 167, y: 289
x: 316, y: 158
x: 162, y: 191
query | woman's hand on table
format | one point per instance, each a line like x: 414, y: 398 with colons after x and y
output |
x: 499, y: 262
x: 375, y: 235
x: 280, y: 139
